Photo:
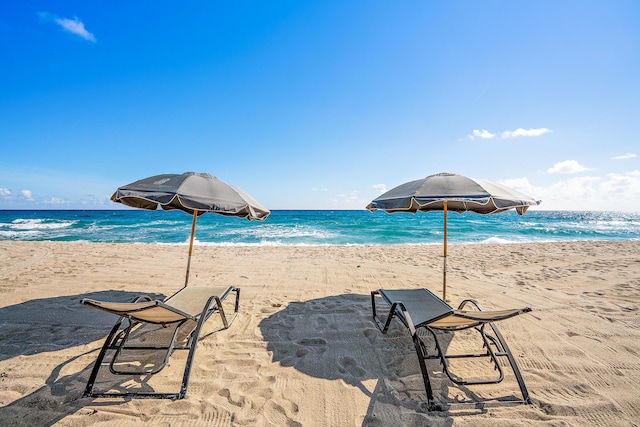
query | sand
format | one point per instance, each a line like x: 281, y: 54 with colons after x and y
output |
x: 303, y: 350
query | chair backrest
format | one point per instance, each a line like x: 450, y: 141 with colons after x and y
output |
x: 423, y: 306
x: 191, y: 299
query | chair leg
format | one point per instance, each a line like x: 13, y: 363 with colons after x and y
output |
x: 421, y: 351
x: 193, y: 339
x: 88, y: 391
x: 194, y: 342
x: 218, y: 306
x: 514, y: 366
x: 382, y: 327
x: 392, y: 312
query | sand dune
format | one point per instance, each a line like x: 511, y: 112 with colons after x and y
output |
x: 304, y: 351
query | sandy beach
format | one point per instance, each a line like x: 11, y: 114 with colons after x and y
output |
x: 303, y: 350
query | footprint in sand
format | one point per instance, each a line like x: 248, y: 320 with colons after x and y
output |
x: 348, y: 365
x: 276, y: 414
x: 312, y: 342
x: 235, y: 399
x: 322, y: 322
x: 371, y: 334
x: 317, y: 345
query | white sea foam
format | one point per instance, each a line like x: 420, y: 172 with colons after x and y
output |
x: 496, y: 240
x: 7, y: 234
x: 38, y: 224
x: 279, y: 232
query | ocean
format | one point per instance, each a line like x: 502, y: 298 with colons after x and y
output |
x: 312, y: 228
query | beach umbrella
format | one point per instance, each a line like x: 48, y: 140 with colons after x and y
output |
x: 193, y: 193
x: 451, y: 192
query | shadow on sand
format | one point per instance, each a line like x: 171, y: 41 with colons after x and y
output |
x: 49, y: 325
x: 345, y: 345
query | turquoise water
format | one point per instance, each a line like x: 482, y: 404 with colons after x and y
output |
x: 317, y: 227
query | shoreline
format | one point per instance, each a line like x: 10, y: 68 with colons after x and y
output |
x: 304, y: 351
x: 196, y: 243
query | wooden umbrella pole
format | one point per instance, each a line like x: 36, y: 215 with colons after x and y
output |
x: 193, y: 232
x: 444, y: 268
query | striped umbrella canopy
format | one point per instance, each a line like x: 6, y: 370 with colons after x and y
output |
x: 193, y: 193
x: 451, y: 192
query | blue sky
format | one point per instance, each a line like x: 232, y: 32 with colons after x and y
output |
x: 320, y: 104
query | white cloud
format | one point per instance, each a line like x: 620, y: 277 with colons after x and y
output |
x: 382, y: 188
x: 522, y: 185
x: 578, y: 189
x: 27, y: 194
x: 482, y: 134
x: 524, y: 132
x: 485, y: 134
x: 567, y: 167
x: 624, y: 156
x: 55, y: 201
x: 622, y: 185
x: 5, y: 192
x: 74, y: 26
x: 613, y: 192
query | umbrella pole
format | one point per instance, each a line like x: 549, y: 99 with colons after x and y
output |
x: 444, y: 268
x: 193, y: 232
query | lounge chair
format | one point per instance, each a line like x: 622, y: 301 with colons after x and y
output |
x: 153, y: 330
x: 420, y: 308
